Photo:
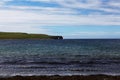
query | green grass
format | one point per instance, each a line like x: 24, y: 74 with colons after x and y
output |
x: 10, y: 35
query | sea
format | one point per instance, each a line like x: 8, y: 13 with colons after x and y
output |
x: 34, y: 57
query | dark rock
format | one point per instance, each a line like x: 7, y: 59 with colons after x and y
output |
x: 57, y: 37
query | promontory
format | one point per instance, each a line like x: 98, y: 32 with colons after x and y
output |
x: 18, y: 35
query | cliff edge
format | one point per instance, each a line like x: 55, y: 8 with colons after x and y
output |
x: 16, y: 35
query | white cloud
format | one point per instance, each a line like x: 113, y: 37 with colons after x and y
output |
x: 46, y: 10
x: 111, y: 6
x: 29, y: 28
x: 91, y: 4
x: 34, y: 18
x: 28, y: 17
x: 90, y: 33
x: 2, y: 2
x: 78, y: 4
x: 40, y: 0
x: 99, y: 34
x: 114, y: 3
x: 69, y: 6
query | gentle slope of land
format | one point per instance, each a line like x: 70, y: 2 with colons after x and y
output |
x: 10, y: 35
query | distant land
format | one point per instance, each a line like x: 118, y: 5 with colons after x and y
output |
x: 18, y: 35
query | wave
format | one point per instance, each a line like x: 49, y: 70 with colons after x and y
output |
x: 67, y: 62
x: 43, y: 75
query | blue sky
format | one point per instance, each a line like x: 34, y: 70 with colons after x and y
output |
x: 69, y: 18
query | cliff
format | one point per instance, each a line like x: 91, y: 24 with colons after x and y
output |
x: 12, y: 35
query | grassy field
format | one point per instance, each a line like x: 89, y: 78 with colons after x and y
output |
x: 11, y: 35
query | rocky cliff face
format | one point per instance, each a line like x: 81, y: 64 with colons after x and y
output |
x: 57, y: 37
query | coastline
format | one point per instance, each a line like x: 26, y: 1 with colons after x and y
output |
x: 20, y: 35
x: 57, y: 77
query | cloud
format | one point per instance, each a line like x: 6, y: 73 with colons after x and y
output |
x: 46, y: 10
x: 108, y: 6
x: 40, y: 0
x: 33, y: 18
x: 29, y: 28
x: 101, y: 5
x: 114, y: 3
x: 90, y: 33
x: 40, y: 19
x: 99, y: 34
x: 58, y: 16
x: 71, y: 6
x: 2, y: 2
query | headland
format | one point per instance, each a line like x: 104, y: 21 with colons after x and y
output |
x: 18, y: 35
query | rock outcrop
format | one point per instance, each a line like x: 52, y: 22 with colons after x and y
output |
x: 57, y: 37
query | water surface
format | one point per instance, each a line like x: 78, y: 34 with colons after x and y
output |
x: 59, y: 57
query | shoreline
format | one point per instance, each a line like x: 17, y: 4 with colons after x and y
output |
x: 57, y: 77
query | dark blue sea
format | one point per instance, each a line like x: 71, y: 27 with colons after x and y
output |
x: 60, y: 57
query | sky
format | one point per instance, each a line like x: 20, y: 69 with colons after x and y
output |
x: 69, y: 18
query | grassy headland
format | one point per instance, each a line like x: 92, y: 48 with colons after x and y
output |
x: 16, y: 35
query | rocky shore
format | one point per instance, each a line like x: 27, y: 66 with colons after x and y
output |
x: 91, y: 77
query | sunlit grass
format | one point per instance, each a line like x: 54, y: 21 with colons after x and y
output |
x: 16, y: 35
